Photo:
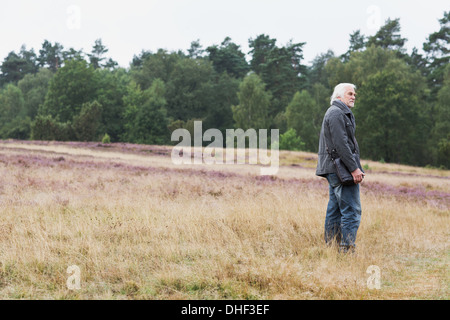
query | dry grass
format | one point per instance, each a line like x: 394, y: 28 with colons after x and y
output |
x: 140, y: 227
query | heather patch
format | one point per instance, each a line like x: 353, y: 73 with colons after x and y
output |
x: 402, y: 193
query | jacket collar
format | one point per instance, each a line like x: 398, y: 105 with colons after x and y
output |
x: 346, y: 110
x: 342, y: 106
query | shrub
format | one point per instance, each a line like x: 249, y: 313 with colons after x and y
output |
x: 47, y: 128
x: 290, y: 141
x: 87, y: 122
x: 106, y: 138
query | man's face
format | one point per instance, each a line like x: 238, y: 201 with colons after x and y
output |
x: 349, y: 97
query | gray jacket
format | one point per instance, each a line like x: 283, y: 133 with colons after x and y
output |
x: 338, y: 133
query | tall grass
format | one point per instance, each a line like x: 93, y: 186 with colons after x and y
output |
x: 139, y: 227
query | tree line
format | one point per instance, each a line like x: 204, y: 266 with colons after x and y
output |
x: 402, y: 109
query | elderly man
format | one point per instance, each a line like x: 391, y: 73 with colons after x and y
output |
x: 337, y: 136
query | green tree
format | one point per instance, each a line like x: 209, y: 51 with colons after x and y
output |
x: 280, y: 68
x: 224, y: 90
x: 189, y: 89
x: 304, y: 116
x: 11, y: 103
x: 357, y: 43
x: 51, y: 56
x: 13, y: 121
x: 261, y: 47
x: 390, y: 115
x: 12, y: 68
x: 317, y: 72
x: 336, y: 71
x: 150, y: 66
x: 228, y: 58
x: 73, y: 85
x: 86, y: 124
x: 195, y: 51
x: 441, y: 129
x: 388, y: 37
x: 148, y: 121
x: 418, y: 61
x: 321, y: 96
x: 254, y: 103
x: 34, y: 88
x: 97, y: 56
x: 30, y: 58
x: 360, y: 66
x: 72, y: 54
x: 16, y: 66
x: 133, y: 99
x: 112, y: 87
x: 438, y: 53
x: 138, y: 60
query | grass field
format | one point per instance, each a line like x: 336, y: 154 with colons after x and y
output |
x: 140, y: 227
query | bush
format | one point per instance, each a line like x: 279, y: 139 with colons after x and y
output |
x: 87, y: 122
x: 106, y: 138
x: 290, y: 141
x: 18, y: 128
x: 47, y: 128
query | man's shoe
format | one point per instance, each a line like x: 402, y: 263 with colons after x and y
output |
x: 347, y: 249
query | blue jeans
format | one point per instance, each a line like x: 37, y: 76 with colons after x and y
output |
x: 343, y: 213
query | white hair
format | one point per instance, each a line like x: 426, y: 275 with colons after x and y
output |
x: 340, y: 90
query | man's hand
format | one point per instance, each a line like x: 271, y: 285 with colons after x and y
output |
x: 358, y: 176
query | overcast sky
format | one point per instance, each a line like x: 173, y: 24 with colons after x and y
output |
x: 128, y: 27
